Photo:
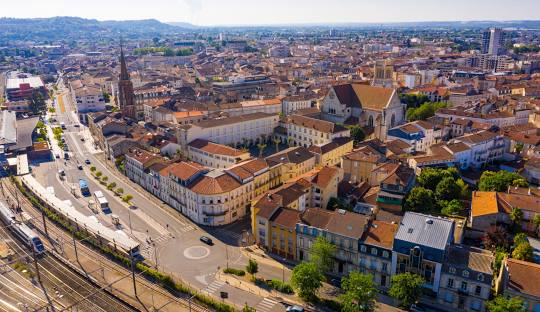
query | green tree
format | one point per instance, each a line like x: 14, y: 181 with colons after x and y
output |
x: 111, y: 186
x: 261, y: 147
x: 536, y: 221
x: 500, y: 181
x: 252, y: 268
x: 306, y: 280
x: 321, y: 253
x: 357, y: 134
x: 431, y: 177
x: 447, y: 189
x: 502, y: 304
x: 424, y: 111
x: 120, y: 191
x: 465, y: 193
x: 247, y: 308
x: 105, y: 179
x: 520, y: 238
x: 453, y: 208
x: 420, y: 199
x: 276, y: 143
x: 413, y: 100
x: 407, y: 288
x: 99, y: 174
x: 360, y: 293
x: 523, y: 251
x: 92, y: 169
x: 127, y: 198
x: 516, y: 215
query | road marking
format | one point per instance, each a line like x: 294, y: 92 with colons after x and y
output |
x: 214, y: 286
x: 266, y: 305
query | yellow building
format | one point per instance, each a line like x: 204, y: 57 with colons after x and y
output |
x: 330, y: 154
x: 358, y: 165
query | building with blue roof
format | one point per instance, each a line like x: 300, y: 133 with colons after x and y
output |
x: 420, y: 246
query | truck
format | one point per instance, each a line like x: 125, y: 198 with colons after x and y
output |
x: 102, y: 202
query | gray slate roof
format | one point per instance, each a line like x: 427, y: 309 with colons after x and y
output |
x: 416, y: 228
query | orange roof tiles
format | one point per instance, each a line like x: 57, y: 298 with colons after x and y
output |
x: 484, y: 203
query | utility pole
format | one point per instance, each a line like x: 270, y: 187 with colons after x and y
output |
x: 44, y: 222
x: 36, y: 264
x: 227, y: 255
x: 133, y: 274
x: 75, y: 245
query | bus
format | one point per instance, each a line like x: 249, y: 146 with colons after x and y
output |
x: 83, y: 185
x: 102, y: 202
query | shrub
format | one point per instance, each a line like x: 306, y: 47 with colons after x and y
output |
x: 280, y: 286
x: 233, y: 271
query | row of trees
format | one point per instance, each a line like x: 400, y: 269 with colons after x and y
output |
x: 438, y: 190
x: 165, y: 50
x: 359, y: 290
x: 424, y: 111
x: 500, y: 181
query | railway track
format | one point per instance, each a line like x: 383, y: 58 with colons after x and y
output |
x: 68, y: 285
x: 60, y: 236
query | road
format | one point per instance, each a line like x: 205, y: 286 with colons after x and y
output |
x: 168, y: 239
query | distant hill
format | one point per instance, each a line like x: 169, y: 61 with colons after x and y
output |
x: 73, y: 28
x: 183, y: 25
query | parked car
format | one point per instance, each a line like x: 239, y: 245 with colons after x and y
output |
x: 87, y: 161
x: 82, y: 139
x: 294, y: 308
x: 416, y: 308
x: 207, y: 240
x: 79, y: 167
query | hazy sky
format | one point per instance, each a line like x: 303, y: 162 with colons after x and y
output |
x: 250, y: 12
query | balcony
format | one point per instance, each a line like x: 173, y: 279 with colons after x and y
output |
x: 215, y: 214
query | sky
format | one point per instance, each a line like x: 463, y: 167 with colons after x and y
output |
x: 259, y: 12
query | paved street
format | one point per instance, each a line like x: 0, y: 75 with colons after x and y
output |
x: 166, y: 236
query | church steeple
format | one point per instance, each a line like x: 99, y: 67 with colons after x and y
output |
x: 124, y: 75
x: 126, y: 97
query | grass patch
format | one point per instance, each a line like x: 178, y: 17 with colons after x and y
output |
x: 24, y: 269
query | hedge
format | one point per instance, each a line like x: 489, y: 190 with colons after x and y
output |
x: 165, y: 280
x: 236, y: 272
x: 280, y: 286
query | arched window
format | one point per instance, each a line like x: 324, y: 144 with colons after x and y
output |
x: 370, y: 121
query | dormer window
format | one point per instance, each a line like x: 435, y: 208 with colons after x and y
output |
x: 452, y: 270
x: 481, y: 277
x: 465, y: 273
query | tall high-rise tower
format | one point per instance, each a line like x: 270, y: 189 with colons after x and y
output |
x: 126, y: 98
x: 493, y: 41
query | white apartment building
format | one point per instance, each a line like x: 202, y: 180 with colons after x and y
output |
x: 419, y: 134
x: 87, y: 98
x: 215, y: 155
x: 293, y: 103
x: 230, y: 131
x: 499, y: 119
x: 306, y: 131
x: 484, y: 148
x: 214, y: 197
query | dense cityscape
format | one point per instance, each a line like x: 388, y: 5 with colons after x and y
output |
x: 152, y: 166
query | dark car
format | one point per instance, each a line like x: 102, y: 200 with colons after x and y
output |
x: 87, y: 161
x: 79, y: 167
x: 82, y: 139
x: 207, y: 240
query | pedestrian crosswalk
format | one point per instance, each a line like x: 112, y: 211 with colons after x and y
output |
x: 214, y: 286
x: 266, y: 305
